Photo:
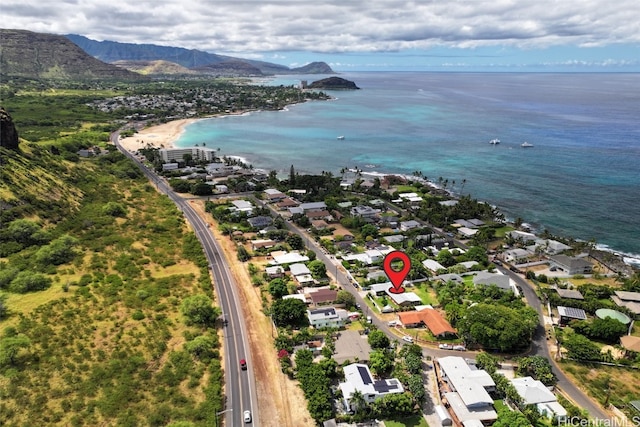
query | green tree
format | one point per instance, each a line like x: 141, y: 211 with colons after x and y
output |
x: 509, y: 418
x: 199, y: 310
x: 294, y: 241
x: 114, y: 209
x: 11, y: 349
x: 243, y: 254
x: 580, y: 347
x: 201, y: 188
x: 289, y: 312
x: 345, y: 297
x: 357, y: 402
x: 369, y: 230
x: 202, y: 347
x: 378, y: 340
x: 499, y: 327
x: 380, y: 362
x: 446, y: 258
x: 608, y: 329
x: 537, y: 367
x: 28, y: 281
x: 277, y: 288
x: 59, y: 251
x: 318, y: 269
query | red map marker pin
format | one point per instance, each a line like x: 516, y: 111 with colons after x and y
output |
x: 397, y: 277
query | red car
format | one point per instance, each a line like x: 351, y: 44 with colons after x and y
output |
x: 243, y: 364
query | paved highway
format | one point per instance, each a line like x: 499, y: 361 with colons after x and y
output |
x: 240, y: 385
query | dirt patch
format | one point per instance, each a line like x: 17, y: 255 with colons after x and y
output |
x: 280, y: 400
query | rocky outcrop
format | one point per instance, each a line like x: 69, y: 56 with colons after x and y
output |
x: 333, y: 83
x: 8, y: 134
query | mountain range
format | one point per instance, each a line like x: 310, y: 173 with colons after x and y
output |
x: 39, y: 55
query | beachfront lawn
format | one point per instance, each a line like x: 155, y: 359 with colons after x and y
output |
x: 412, y: 421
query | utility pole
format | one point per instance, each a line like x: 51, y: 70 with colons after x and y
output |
x: 221, y: 412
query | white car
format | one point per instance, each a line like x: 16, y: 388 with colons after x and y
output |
x: 247, y: 416
x: 445, y: 347
x: 393, y: 323
x: 407, y: 338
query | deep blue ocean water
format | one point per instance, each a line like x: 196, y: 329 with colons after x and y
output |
x: 581, y: 178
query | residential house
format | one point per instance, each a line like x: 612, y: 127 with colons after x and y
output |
x: 358, y: 378
x: 522, y: 236
x: 553, y: 247
x: 274, y: 195
x: 409, y: 225
x: 365, y: 211
x: 274, y: 272
x: 448, y: 203
x: 394, y: 238
x: 451, y: 277
x: 484, y: 278
x: 630, y: 300
x: 219, y: 169
x: 569, y: 293
x: 405, y: 299
x: 466, y: 232
x: 323, y: 296
x: 319, y: 214
x: 571, y: 265
x: 260, y: 222
x: 469, y: 387
x: 242, y: 206
x: 319, y: 224
x: 429, y: 317
x: 327, y: 317
x: 567, y: 314
x: 262, y: 243
x: 534, y: 392
x: 517, y: 255
x: 301, y: 274
x: 283, y: 257
x: 468, y: 265
x: 433, y: 265
x: 286, y: 203
x: 313, y: 206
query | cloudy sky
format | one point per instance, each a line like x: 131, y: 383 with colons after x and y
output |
x: 440, y: 35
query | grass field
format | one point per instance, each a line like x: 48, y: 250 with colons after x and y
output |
x: 413, y: 421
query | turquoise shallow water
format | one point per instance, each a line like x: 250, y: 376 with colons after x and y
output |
x: 581, y: 178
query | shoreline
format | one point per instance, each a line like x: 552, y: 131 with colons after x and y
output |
x: 165, y: 135
x: 162, y: 135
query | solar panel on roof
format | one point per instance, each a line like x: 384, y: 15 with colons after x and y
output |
x: 364, y: 374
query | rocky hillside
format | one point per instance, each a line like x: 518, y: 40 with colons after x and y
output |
x: 36, y: 55
x: 157, y: 67
x: 333, y: 83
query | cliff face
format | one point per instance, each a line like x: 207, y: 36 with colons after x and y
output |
x: 8, y: 134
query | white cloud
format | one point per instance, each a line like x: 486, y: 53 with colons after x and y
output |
x: 335, y: 25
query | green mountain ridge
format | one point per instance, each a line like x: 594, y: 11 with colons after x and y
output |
x: 111, y: 52
x: 48, y: 56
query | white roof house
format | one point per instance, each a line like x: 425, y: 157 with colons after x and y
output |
x: 327, y: 317
x: 470, y: 384
x: 299, y: 269
x: 242, y: 205
x: 433, y: 265
x: 405, y: 298
x: 288, y: 258
x: 358, y: 377
x: 534, y: 392
x: 500, y: 280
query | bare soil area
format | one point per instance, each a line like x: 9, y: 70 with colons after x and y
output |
x: 280, y: 400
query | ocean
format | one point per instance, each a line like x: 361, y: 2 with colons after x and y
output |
x: 581, y: 178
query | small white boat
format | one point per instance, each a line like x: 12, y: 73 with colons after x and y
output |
x: 341, y: 137
x: 494, y: 141
x: 526, y: 145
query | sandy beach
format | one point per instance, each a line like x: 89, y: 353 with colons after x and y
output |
x: 159, y: 136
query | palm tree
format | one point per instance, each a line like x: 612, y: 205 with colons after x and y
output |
x: 464, y: 181
x: 357, y: 401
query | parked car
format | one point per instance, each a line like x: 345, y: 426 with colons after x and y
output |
x: 445, y: 347
x: 407, y: 338
x: 247, y: 416
x: 459, y: 348
x: 243, y: 364
x: 393, y: 323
